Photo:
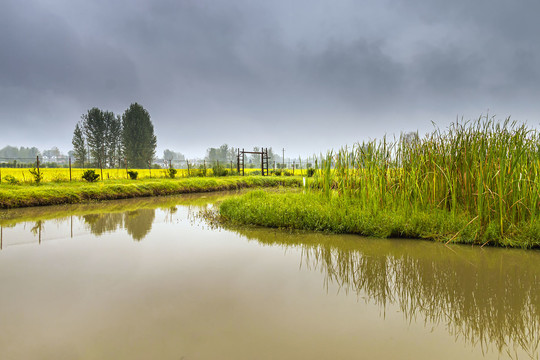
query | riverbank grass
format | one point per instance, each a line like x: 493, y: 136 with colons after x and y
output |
x: 345, y: 216
x: 12, y: 196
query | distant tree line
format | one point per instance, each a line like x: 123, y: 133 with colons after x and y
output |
x: 224, y: 153
x: 103, y: 139
x: 16, y: 157
x: 22, y: 154
x: 169, y: 155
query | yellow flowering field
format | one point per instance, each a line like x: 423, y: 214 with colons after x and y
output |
x: 62, y: 174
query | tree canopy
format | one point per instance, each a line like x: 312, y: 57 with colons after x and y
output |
x: 110, y: 139
x: 138, y: 139
x: 79, y: 146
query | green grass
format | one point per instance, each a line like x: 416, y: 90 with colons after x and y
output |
x: 12, y: 196
x: 476, y: 182
x: 310, y: 211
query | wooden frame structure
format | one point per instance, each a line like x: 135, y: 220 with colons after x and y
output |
x: 241, y: 161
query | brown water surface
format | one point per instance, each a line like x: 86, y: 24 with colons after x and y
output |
x: 148, y: 279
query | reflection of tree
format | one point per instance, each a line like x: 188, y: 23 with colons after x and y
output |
x: 138, y: 223
x: 36, y: 229
x: 488, y: 297
x: 100, y: 224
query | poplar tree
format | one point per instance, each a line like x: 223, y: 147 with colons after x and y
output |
x: 113, y: 138
x: 95, y: 130
x: 138, y: 139
x: 79, y: 146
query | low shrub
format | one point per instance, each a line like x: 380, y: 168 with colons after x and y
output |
x: 171, y: 172
x: 219, y: 170
x: 38, y: 176
x: 202, y: 171
x: 11, y: 180
x: 133, y: 174
x: 90, y: 175
x: 310, y: 172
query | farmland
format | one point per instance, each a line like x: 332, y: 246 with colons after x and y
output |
x: 59, y: 175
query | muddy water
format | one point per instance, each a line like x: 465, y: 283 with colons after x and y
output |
x: 146, y: 278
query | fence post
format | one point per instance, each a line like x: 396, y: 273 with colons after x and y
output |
x: 293, y: 163
x: 125, y: 163
x: 238, y: 162
x: 150, y: 168
x: 188, y: 174
x: 262, y: 161
x: 37, y: 164
x: 204, y: 166
x: 70, y: 168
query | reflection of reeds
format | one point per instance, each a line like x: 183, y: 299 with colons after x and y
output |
x: 489, y: 298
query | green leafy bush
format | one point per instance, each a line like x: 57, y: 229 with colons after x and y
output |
x: 90, y: 175
x: 171, y: 172
x: 202, y: 171
x: 219, y: 170
x: 310, y: 172
x: 38, y: 176
x: 11, y: 180
x: 133, y: 174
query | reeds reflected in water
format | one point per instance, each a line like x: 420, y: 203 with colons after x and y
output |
x: 487, y: 297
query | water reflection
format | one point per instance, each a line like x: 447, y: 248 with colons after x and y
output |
x: 488, y: 297
x: 137, y: 223
x: 136, y: 216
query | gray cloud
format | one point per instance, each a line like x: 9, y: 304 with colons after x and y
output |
x: 283, y: 72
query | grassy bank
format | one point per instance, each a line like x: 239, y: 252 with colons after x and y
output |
x: 347, y: 216
x: 12, y: 196
x: 475, y: 182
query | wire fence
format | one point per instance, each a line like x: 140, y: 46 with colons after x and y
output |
x: 17, y: 170
x: 18, y: 162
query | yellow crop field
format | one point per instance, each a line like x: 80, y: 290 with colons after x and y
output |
x: 23, y: 175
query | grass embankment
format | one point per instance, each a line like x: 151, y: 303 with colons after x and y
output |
x: 477, y: 182
x: 12, y: 196
x: 337, y: 215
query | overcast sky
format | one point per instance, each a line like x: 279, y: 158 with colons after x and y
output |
x: 306, y: 75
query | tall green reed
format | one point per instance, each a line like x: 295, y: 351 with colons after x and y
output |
x: 489, y: 170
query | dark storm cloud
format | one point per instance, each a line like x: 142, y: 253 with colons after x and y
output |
x: 41, y: 52
x: 209, y: 68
